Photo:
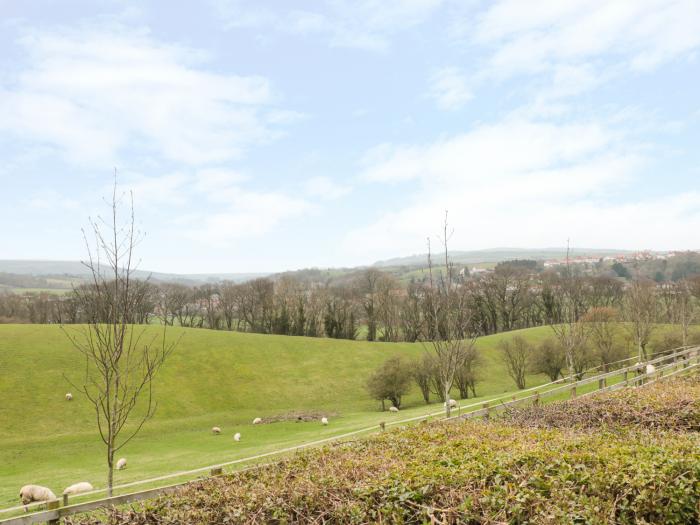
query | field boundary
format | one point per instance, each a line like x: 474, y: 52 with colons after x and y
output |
x: 680, y: 361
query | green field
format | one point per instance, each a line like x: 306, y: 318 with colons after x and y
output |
x: 214, y: 378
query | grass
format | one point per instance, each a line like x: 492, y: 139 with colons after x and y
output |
x: 615, y: 469
x: 214, y: 378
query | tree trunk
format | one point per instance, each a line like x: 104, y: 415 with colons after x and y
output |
x: 110, y: 471
x: 448, y: 408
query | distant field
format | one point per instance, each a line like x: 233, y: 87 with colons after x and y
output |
x: 214, y: 378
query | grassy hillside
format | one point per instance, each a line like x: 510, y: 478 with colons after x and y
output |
x: 214, y: 378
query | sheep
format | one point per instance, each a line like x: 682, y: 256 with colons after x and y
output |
x: 237, y: 436
x: 453, y: 403
x: 324, y: 421
x: 215, y: 430
x: 77, y: 488
x: 393, y: 409
x: 30, y: 493
x: 639, y: 368
x: 257, y: 421
x: 651, y: 369
x: 121, y: 464
x: 69, y: 397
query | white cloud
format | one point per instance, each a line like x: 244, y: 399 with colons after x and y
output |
x: 215, y: 206
x: 94, y: 94
x: 449, y: 88
x: 642, y: 33
x: 522, y: 183
x: 325, y: 188
x: 360, y: 24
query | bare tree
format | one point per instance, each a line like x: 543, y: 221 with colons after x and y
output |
x: 602, y: 322
x: 570, y: 332
x: 121, y: 361
x: 446, y: 314
x: 516, y: 355
x: 683, y: 309
x: 641, y: 310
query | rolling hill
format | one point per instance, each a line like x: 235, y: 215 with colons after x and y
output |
x: 214, y: 378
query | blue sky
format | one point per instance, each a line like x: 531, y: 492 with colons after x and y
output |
x: 264, y: 136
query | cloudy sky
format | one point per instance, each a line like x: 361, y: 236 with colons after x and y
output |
x: 269, y: 135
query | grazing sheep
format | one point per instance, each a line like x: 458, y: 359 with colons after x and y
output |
x: 69, y: 397
x: 651, y: 369
x: 237, y: 436
x: 324, y: 420
x: 639, y: 368
x: 30, y: 493
x: 215, y: 430
x: 77, y: 488
x: 121, y: 464
x: 453, y: 403
x: 257, y: 421
x: 393, y: 409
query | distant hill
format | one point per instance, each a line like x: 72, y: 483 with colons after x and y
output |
x: 76, y: 269
x: 495, y: 255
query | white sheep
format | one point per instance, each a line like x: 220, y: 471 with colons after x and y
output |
x: 121, y: 464
x: 78, y: 488
x: 651, y: 369
x: 324, y: 421
x: 30, y: 493
x: 69, y: 397
x: 453, y: 403
x: 237, y: 436
x: 257, y: 421
x: 393, y: 409
x: 215, y: 430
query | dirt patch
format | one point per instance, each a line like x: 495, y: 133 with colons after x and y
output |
x: 299, y: 417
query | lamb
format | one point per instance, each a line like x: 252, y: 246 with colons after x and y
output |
x: 30, y: 493
x: 453, y: 403
x: 215, y: 430
x: 651, y: 369
x: 78, y: 488
x: 324, y: 421
x: 393, y: 409
x: 257, y: 421
x: 69, y: 397
x: 121, y: 464
x: 237, y: 436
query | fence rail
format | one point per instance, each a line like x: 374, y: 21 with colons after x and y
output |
x: 680, y: 361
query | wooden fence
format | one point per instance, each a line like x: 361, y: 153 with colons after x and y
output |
x: 679, y: 362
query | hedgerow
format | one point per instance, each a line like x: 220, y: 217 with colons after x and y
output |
x: 673, y: 405
x: 470, y: 472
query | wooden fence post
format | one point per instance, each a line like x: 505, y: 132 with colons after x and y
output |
x: 602, y: 383
x: 65, y: 500
x: 536, y: 401
x: 382, y: 426
x: 51, y: 505
x: 216, y: 471
x: 624, y: 377
x: 573, y: 392
x: 486, y: 411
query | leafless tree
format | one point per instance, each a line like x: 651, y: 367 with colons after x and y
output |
x: 445, y: 317
x: 641, y: 310
x: 683, y: 309
x: 570, y: 332
x: 517, y: 355
x: 602, y: 322
x: 121, y: 360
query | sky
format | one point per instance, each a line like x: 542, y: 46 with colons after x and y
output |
x: 261, y: 136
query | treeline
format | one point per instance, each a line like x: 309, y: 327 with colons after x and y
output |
x: 370, y: 304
